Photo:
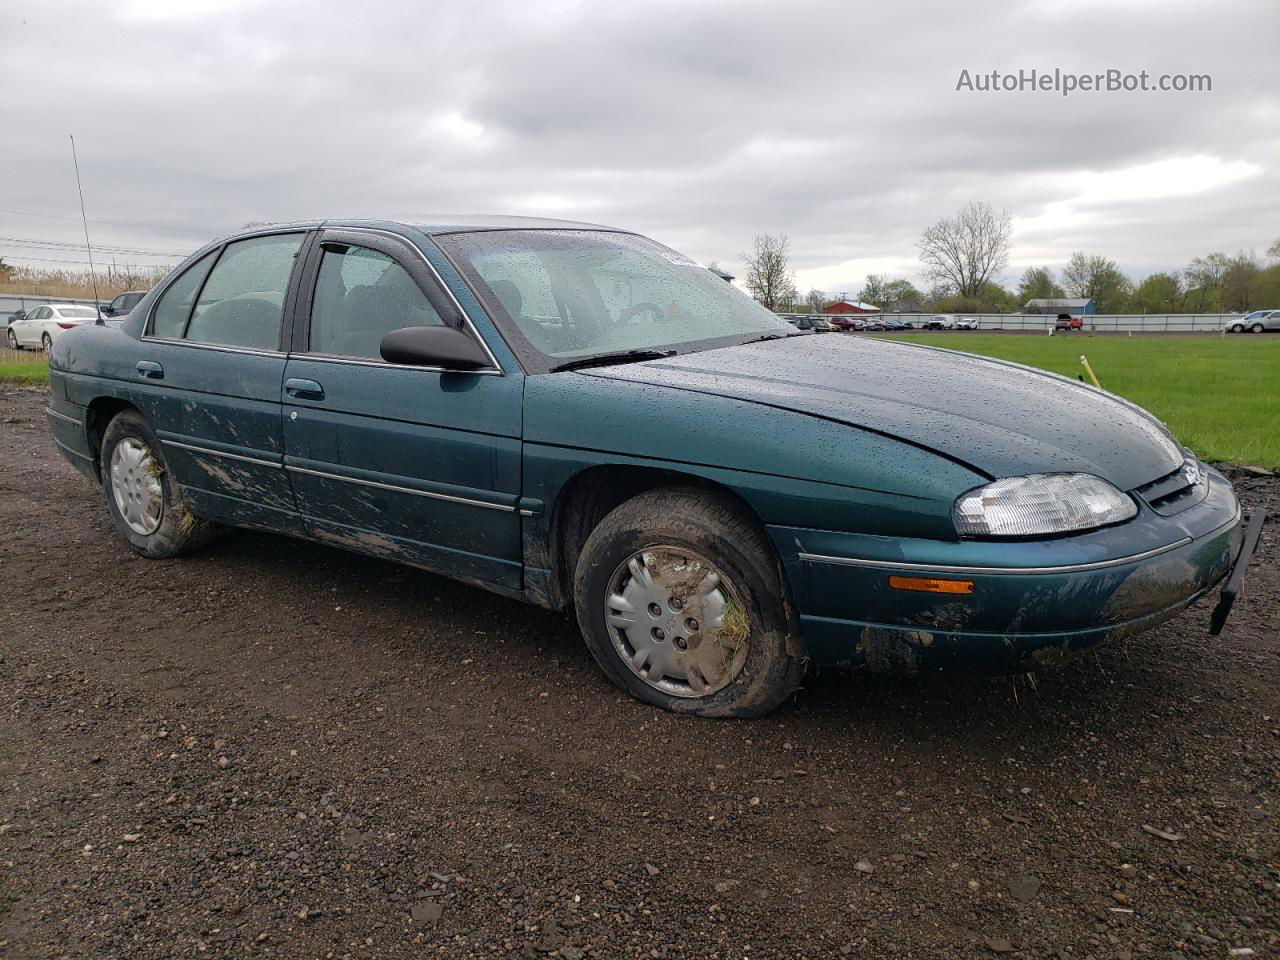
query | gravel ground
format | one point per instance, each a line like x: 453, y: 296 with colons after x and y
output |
x: 274, y: 749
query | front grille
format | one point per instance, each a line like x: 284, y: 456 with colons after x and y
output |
x: 1177, y: 490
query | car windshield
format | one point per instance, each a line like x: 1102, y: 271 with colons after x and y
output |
x: 571, y: 294
x: 77, y: 312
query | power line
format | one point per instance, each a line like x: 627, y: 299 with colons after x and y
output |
x: 163, y: 266
x: 122, y: 223
x: 32, y: 242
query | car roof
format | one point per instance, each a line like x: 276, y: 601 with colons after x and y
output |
x: 432, y: 225
x: 441, y: 224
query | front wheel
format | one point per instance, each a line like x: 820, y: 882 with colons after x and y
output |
x: 1236, y: 328
x: 681, y: 602
x: 1256, y: 328
x: 13, y: 340
x: 143, y: 498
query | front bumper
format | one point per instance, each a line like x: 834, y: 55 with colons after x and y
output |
x: 1032, y: 602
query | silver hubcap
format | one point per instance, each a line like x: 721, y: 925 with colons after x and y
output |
x: 677, y: 622
x: 135, y: 484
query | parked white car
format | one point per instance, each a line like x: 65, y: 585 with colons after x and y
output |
x: 44, y: 324
x: 947, y: 321
x: 1255, y: 322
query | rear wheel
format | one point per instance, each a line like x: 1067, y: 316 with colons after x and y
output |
x: 681, y: 603
x: 144, y: 500
x: 46, y: 342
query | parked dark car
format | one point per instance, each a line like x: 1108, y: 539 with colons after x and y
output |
x: 847, y: 323
x: 123, y: 303
x: 1066, y: 321
x: 898, y: 325
x: 581, y: 418
x: 808, y: 322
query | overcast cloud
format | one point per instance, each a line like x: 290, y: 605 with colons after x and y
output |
x: 697, y: 123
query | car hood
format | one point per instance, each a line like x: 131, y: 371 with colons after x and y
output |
x: 999, y: 418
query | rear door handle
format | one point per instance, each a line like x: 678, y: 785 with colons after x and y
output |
x: 303, y: 389
x: 150, y: 370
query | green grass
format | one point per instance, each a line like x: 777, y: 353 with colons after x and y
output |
x: 1220, y: 396
x: 23, y: 366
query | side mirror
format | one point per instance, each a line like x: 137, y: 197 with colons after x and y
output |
x: 446, y: 347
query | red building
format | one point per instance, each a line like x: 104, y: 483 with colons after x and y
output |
x: 850, y: 306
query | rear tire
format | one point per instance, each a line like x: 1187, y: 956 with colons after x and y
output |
x: 728, y: 650
x: 143, y: 499
x: 46, y: 342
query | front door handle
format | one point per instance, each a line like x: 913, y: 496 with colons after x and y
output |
x: 150, y: 370
x: 303, y: 389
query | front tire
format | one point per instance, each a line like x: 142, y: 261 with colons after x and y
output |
x: 1257, y: 328
x: 143, y: 498
x: 1236, y: 328
x: 681, y: 602
x: 13, y: 340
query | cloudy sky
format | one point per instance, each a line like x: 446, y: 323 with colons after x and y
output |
x: 698, y: 123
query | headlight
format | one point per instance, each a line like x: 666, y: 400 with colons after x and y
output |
x: 1041, y: 503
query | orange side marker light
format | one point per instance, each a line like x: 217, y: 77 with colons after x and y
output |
x: 932, y: 585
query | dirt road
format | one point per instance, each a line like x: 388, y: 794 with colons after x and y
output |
x: 273, y: 749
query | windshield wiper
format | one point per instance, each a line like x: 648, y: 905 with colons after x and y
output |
x: 609, y: 359
x: 776, y: 336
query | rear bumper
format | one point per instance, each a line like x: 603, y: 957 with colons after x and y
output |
x: 67, y: 428
x: 1032, y: 602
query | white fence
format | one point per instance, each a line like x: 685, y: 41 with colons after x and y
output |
x: 1103, y: 323
x: 11, y: 303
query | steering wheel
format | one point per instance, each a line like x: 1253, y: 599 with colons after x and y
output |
x: 647, y: 306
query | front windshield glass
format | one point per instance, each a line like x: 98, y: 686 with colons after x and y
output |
x: 580, y: 293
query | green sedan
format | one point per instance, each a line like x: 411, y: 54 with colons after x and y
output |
x: 582, y: 418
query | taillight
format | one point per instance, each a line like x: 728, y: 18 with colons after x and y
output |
x: 67, y: 326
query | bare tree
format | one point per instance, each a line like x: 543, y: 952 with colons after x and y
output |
x: 816, y: 299
x: 769, y: 277
x: 967, y: 251
x: 1098, y: 279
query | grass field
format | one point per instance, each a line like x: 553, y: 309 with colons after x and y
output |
x: 1220, y: 396
x: 23, y: 366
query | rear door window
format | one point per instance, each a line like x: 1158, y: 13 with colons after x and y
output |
x: 171, y: 313
x: 242, y: 301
